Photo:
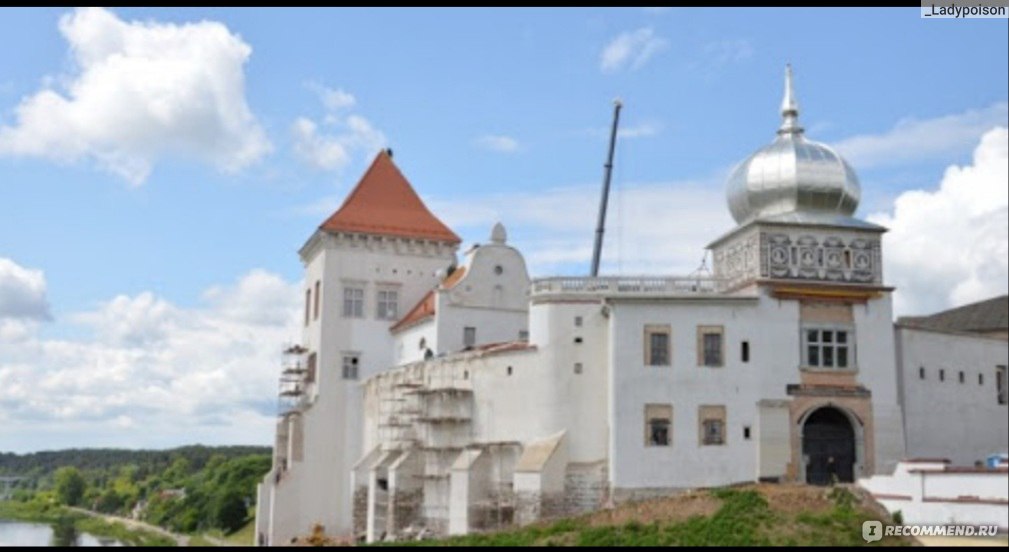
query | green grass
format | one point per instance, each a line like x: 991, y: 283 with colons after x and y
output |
x: 201, y: 541
x: 244, y: 536
x: 744, y: 518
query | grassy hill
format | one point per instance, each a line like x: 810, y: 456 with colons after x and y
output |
x: 751, y: 515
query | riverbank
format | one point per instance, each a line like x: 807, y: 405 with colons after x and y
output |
x: 33, y: 511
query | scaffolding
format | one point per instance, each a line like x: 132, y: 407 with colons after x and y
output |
x: 291, y: 392
x: 428, y: 410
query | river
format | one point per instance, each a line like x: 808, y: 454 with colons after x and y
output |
x: 21, y: 533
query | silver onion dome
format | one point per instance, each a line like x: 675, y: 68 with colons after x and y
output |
x: 793, y: 179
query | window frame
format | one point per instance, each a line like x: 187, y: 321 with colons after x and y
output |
x: 653, y: 415
x: 465, y: 335
x: 822, y: 344
x: 651, y: 330
x: 707, y: 415
x: 351, y: 371
x: 702, y: 351
x: 1002, y: 384
x: 356, y: 304
x: 382, y: 310
x: 318, y: 292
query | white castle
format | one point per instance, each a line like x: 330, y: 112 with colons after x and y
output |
x: 450, y: 398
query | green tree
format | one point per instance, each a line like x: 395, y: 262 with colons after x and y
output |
x: 69, y: 485
x: 108, y: 502
x: 176, y: 474
x: 228, y: 510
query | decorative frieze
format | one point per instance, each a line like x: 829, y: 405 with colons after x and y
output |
x: 808, y: 254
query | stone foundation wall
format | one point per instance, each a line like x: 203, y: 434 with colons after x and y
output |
x: 585, y: 490
x: 528, y: 506
x: 495, y: 512
x: 405, y: 510
x: 359, y: 522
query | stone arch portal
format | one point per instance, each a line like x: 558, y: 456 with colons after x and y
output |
x: 828, y: 447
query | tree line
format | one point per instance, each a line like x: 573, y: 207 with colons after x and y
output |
x: 188, y: 489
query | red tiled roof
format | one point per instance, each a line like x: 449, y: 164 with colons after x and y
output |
x: 426, y: 307
x: 383, y: 202
x: 422, y: 310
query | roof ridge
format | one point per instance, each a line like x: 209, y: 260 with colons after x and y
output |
x: 384, y: 202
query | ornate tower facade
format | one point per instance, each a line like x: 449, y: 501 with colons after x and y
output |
x: 797, y: 243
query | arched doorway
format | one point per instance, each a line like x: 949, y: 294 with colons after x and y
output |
x: 828, y: 445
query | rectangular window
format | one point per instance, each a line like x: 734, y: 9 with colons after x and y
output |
x: 578, y: 367
x: 709, y: 346
x: 659, y: 348
x: 746, y: 432
x: 657, y: 345
x: 712, y: 427
x: 744, y: 351
x: 942, y: 374
x: 828, y: 348
x: 1000, y: 384
x: 388, y: 305
x: 350, y: 366
x: 318, y: 285
x: 961, y: 376
x: 468, y: 336
x: 980, y: 379
x: 310, y: 373
x: 523, y: 335
x: 921, y: 372
x: 658, y: 422
x: 308, y: 303
x: 578, y: 321
x: 353, y: 302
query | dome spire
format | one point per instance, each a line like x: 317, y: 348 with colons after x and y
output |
x: 789, y: 107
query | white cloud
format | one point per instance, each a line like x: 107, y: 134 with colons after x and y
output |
x: 950, y: 245
x: 154, y: 374
x: 22, y: 292
x: 334, y: 99
x: 349, y: 134
x: 632, y: 48
x: 644, y: 129
x: 23, y: 303
x: 724, y: 52
x: 915, y: 140
x: 259, y: 298
x: 132, y: 321
x: 498, y: 143
x: 319, y: 151
x: 140, y: 91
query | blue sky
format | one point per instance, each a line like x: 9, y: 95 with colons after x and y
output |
x: 492, y: 114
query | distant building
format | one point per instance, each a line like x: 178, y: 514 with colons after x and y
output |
x: 952, y: 371
x: 436, y: 398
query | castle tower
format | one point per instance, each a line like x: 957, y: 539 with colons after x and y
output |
x: 797, y: 243
x: 376, y: 256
